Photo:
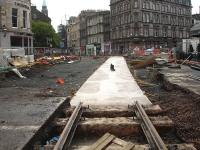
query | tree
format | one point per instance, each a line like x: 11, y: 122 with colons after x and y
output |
x: 191, y: 49
x: 44, y: 34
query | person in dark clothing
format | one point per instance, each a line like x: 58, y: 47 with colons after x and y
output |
x: 112, y: 67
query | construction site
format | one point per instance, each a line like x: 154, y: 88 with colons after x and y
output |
x: 105, y: 103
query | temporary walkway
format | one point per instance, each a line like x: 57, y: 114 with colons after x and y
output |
x: 106, y: 87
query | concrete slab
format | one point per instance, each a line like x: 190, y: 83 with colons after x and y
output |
x: 185, y: 78
x: 19, y: 120
x: 107, y: 87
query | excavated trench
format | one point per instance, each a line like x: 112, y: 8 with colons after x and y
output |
x: 96, y: 121
x: 178, y: 103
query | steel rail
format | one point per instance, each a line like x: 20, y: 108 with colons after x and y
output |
x: 69, y: 130
x: 149, y: 130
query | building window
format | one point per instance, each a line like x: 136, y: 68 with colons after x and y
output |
x: 181, y: 33
x: 16, y: 41
x: 165, y: 31
x: 24, y: 19
x: 156, y: 31
x: 156, y: 18
x: 136, y: 16
x: 14, y: 17
x: 146, y: 17
x: 157, y: 6
x: 173, y: 32
x: 136, y: 4
x: 146, y: 30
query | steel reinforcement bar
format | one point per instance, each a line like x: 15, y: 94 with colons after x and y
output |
x: 69, y: 130
x: 153, y: 138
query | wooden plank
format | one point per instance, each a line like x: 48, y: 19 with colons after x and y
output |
x: 119, y: 142
x: 129, y: 146
x: 141, y: 147
x: 100, y: 141
x: 105, y: 143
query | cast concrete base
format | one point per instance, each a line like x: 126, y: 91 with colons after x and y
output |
x: 106, y: 87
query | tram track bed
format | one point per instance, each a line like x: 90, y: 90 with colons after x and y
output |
x: 89, y: 130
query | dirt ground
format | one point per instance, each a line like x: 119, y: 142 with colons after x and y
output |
x: 26, y: 104
x: 41, y: 79
x: 182, y: 107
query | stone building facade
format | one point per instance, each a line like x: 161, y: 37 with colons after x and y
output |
x: 44, y: 8
x: 37, y: 15
x: 63, y: 36
x: 98, y: 31
x: 195, y: 19
x: 195, y: 30
x: 15, y: 25
x: 83, y: 28
x: 73, y: 35
x: 149, y: 23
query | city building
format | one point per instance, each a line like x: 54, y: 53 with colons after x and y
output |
x: 44, y: 8
x: 73, y: 35
x: 195, y: 18
x: 15, y: 25
x: 37, y: 15
x: 149, y: 23
x: 83, y: 28
x: 98, y: 33
x: 195, y: 30
x: 63, y: 36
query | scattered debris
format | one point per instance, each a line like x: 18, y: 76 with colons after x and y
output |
x: 53, y: 141
x: 181, y: 106
x: 71, y: 62
x: 49, y: 92
x: 60, y: 81
x: 143, y: 62
x: 58, y: 59
x: 72, y: 92
x: 161, y: 61
x: 109, y: 141
x: 16, y: 71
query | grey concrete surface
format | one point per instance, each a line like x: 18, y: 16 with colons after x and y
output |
x: 25, y: 104
x: 106, y: 87
x: 185, y: 78
x: 19, y: 120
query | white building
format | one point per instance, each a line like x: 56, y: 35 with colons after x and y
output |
x: 15, y: 25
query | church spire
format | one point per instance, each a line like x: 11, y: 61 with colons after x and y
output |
x: 44, y: 8
x: 44, y: 3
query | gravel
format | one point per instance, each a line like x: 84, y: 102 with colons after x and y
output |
x: 41, y: 79
x: 181, y: 106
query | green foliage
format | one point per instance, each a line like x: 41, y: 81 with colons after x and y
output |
x: 191, y: 49
x: 44, y: 34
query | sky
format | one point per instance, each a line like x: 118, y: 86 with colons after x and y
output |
x: 60, y: 10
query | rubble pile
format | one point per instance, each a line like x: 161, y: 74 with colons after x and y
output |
x: 54, y: 60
